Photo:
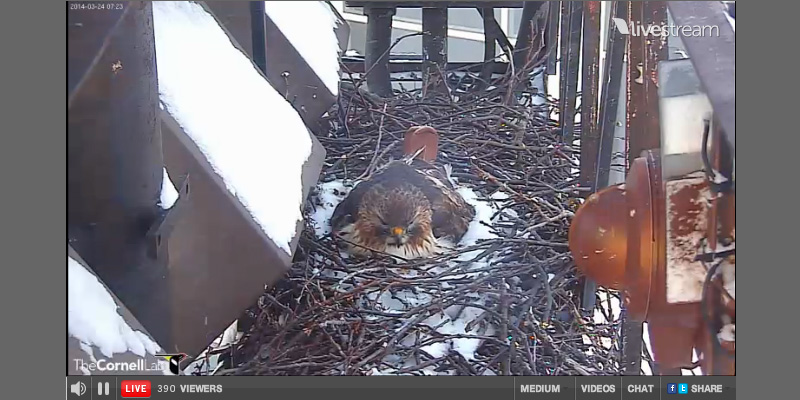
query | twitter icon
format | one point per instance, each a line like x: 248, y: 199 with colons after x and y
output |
x: 683, y: 388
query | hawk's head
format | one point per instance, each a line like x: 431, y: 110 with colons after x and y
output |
x: 395, y: 220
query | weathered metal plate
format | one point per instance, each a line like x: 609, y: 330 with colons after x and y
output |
x: 686, y: 211
x: 88, y: 34
x: 235, y: 17
x: 220, y: 260
x: 286, y: 69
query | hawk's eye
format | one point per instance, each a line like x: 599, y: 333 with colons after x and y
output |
x: 383, y: 230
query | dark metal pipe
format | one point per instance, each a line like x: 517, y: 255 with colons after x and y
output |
x: 379, y: 37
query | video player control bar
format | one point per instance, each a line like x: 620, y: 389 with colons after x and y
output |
x: 404, y: 387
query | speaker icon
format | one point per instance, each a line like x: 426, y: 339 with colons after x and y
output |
x: 77, y: 388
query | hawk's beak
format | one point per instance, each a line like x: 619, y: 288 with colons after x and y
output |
x: 397, y: 231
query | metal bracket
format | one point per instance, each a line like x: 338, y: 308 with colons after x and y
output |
x: 159, y: 232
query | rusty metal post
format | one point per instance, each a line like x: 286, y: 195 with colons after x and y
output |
x: 645, y: 52
x: 114, y: 163
x: 571, y: 17
x: 642, y: 125
x: 376, y: 57
x: 434, y: 49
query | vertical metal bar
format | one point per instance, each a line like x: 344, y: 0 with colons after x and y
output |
x: 434, y: 49
x: 551, y: 36
x: 489, y: 47
x: 645, y: 52
x: 114, y: 170
x: 612, y: 87
x: 258, y: 26
x: 643, y: 127
x: 571, y: 18
x: 527, y: 39
x: 376, y: 57
x: 590, y: 136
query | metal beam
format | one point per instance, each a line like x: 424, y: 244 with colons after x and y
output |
x: 571, y: 17
x: 612, y: 87
x: 551, y: 36
x: 434, y: 49
x: 714, y: 58
x: 114, y: 164
x: 376, y: 57
x: 590, y: 135
x: 527, y: 39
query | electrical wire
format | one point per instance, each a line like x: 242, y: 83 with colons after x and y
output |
x: 712, y: 332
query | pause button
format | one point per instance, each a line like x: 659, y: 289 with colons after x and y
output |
x: 103, y: 388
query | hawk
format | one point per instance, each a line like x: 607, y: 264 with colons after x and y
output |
x: 406, y: 206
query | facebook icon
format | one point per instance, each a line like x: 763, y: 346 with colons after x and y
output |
x: 683, y: 388
x: 672, y: 388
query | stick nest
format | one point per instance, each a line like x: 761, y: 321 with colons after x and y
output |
x: 503, y: 306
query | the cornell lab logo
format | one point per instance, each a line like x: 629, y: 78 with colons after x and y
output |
x: 174, y: 361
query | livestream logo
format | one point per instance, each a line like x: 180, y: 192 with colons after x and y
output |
x: 637, y: 29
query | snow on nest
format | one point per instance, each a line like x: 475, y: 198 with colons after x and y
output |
x: 93, y: 319
x: 313, y: 37
x: 453, y: 320
x: 234, y: 116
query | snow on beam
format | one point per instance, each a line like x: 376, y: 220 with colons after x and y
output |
x: 250, y: 160
x: 315, y: 38
x: 303, y: 58
x: 251, y: 135
x: 103, y: 337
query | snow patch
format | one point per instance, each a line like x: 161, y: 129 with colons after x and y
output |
x: 169, y: 195
x: 253, y: 137
x: 313, y: 36
x: 329, y: 195
x: 93, y: 319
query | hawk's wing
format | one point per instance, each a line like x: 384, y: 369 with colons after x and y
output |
x: 451, y: 213
x: 346, y: 212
